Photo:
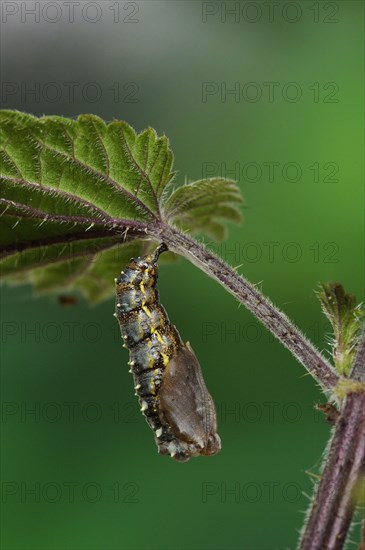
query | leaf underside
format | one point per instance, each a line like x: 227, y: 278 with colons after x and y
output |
x: 78, y: 196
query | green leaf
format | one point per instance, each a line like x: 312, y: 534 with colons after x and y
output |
x: 347, y: 320
x: 76, y: 193
x: 203, y: 205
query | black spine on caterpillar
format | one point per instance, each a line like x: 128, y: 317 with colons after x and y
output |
x: 167, y: 375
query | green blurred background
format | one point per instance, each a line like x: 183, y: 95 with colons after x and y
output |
x: 81, y: 471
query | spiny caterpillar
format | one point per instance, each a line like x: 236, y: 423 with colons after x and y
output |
x: 167, y: 376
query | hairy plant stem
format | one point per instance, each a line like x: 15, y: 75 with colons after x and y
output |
x: 335, y: 500
x: 249, y: 295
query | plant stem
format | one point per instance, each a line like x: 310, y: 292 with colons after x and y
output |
x: 335, y: 500
x: 273, y: 319
x: 333, y: 505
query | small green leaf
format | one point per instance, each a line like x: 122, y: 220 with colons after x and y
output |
x: 347, y: 320
x: 75, y: 193
x: 203, y: 206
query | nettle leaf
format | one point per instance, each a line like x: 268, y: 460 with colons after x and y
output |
x: 347, y: 320
x: 79, y: 197
x: 203, y: 205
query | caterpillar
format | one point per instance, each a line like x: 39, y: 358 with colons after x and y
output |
x: 167, y: 376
